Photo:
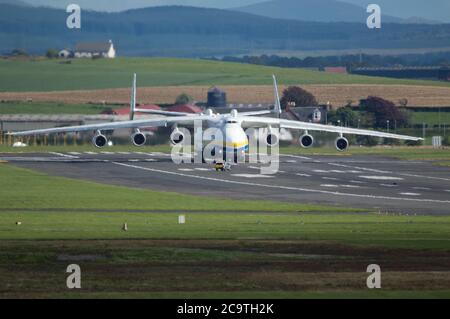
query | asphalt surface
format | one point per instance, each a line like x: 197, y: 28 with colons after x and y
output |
x: 375, y: 183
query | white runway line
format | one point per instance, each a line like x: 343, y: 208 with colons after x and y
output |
x: 107, y: 153
x: 64, y: 155
x: 330, y: 178
x: 350, y: 186
x: 150, y: 160
x: 422, y: 188
x: 358, y: 182
x: 202, y: 169
x: 252, y: 175
x: 303, y: 175
x: 329, y: 185
x: 291, y: 161
x: 124, y: 153
x: 388, y: 185
x: 91, y: 153
x: 133, y: 160
x: 185, y: 169
x: 296, y: 156
x: 390, y: 172
x: 382, y: 178
x: 74, y: 153
x: 410, y: 194
x: 306, y: 190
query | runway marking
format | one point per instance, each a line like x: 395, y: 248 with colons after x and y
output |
x: 330, y: 178
x: 107, y: 153
x: 390, y: 172
x: 422, y: 188
x: 186, y: 169
x: 150, y: 160
x: 252, y: 175
x: 388, y: 185
x: 303, y: 175
x: 291, y: 161
x: 306, y: 190
x: 382, y: 178
x: 296, y: 156
x: 124, y: 153
x: 90, y: 153
x: 74, y: 153
x: 320, y: 171
x: 410, y: 194
x: 358, y: 182
x: 350, y: 186
x: 202, y: 169
x: 329, y: 185
x: 133, y: 160
x: 63, y: 155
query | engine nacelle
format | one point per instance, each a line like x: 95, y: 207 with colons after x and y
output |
x: 306, y: 141
x: 272, y: 139
x: 341, y: 144
x: 176, y: 137
x: 138, y: 139
x: 99, y: 140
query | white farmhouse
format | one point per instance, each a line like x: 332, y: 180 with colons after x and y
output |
x: 95, y: 49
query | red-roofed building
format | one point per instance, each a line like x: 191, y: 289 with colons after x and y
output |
x: 187, y: 108
x: 125, y: 111
x: 340, y: 70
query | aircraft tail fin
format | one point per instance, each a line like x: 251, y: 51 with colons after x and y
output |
x: 277, y: 106
x: 133, y: 98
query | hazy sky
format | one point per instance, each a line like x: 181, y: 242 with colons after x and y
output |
x: 430, y: 9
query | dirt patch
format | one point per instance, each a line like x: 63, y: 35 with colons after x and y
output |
x: 216, y: 265
x: 337, y: 95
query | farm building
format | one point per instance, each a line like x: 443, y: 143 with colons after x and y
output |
x: 95, y: 49
x: 432, y: 73
x: 65, y: 54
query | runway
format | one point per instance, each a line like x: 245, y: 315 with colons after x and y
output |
x: 370, y: 182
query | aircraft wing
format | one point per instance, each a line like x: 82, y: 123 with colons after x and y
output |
x: 297, y: 125
x: 145, y: 123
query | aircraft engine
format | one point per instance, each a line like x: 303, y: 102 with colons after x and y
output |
x: 341, y: 144
x: 306, y: 141
x: 99, y: 140
x: 272, y: 139
x: 138, y: 139
x: 176, y: 137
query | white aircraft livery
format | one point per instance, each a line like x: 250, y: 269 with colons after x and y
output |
x: 230, y: 126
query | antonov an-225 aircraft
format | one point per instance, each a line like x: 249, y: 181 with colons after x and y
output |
x: 231, y: 127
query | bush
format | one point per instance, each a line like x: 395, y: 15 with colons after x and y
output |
x: 183, y: 99
x: 383, y: 111
x: 414, y: 143
x: 446, y: 141
x: 368, y: 140
x: 52, y: 54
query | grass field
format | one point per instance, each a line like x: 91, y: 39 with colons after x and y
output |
x: 272, y: 250
x: 430, y: 118
x: 52, y: 75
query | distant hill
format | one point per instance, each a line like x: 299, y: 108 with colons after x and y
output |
x: 199, y: 32
x: 121, y: 5
x: 312, y: 10
x: 434, y: 10
x: 15, y: 2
